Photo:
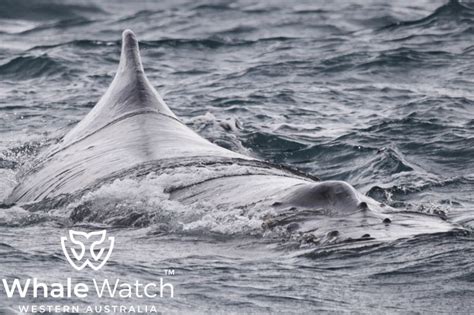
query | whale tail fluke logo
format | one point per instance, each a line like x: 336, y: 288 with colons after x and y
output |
x: 95, y: 255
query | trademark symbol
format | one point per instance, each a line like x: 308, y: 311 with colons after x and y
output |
x: 169, y: 272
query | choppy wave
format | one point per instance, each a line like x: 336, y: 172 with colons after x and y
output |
x: 452, y: 13
x: 29, y: 67
x: 45, y: 9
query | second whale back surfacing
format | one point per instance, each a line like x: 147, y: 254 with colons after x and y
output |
x: 131, y: 129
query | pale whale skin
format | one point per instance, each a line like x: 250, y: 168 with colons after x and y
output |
x: 131, y: 127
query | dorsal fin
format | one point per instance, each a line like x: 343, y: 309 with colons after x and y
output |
x: 130, y: 55
x: 130, y: 93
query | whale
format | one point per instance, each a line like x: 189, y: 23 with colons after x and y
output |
x: 131, y: 131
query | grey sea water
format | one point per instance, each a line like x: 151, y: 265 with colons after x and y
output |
x: 376, y: 93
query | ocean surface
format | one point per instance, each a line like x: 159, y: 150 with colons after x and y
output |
x: 376, y: 93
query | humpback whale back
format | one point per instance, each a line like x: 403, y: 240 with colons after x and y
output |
x: 131, y: 131
x: 129, y: 126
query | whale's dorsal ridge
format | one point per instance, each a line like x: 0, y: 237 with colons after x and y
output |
x: 129, y: 93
